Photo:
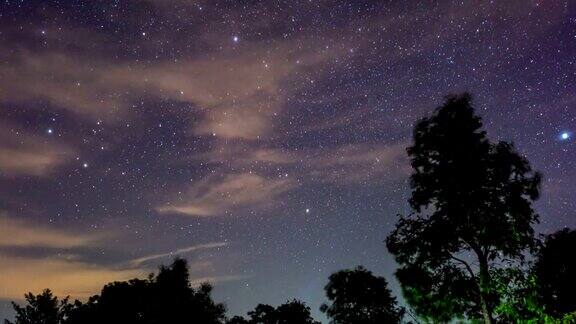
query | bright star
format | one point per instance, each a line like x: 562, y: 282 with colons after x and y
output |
x: 307, y: 210
x: 50, y: 131
x: 235, y: 39
x: 85, y: 165
x: 564, y: 136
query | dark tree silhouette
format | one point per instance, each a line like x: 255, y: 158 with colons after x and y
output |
x: 44, y: 308
x: 165, y: 298
x: 359, y: 297
x: 291, y: 312
x: 84, y: 313
x: 119, y: 302
x: 472, y: 203
x: 294, y: 312
x: 555, y: 272
x: 263, y: 314
x: 237, y: 320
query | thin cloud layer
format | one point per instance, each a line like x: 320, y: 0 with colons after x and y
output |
x: 177, y: 252
x: 236, y: 94
x: 340, y: 166
x: 345, y: 164
x: 20, y: 233
x: 65, y: 273
x: 63, y: 277
x: 212, y: 196
x: 23, y: 153
x: 359, y: 163
x: 63, y: 81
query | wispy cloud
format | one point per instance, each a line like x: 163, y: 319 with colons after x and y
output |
x: 19, y: 275
x: 23, y: 153
x: 215, y: 196
x: 178, y: 252
x: 358, y: 163
x: 344, y: 164
x: 236, y: 94
x: 63, y: 81
x: 217, y: 279
x: 275, y: 172
x: 20, y: 233
x: 66, y: 273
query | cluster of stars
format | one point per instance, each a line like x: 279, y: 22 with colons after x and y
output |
x: 327, y: 93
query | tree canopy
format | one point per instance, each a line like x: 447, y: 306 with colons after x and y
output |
x: 472, y: 210
x: 555, y: 273
x: 291, y: 312
x: 44, y: 308
x: 165, y: 298
x: 359, y: 297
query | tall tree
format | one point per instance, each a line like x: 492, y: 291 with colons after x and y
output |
x: 359, y: 297
x: 555, y: 273
x: 472, y: 211
x: 44, y: 308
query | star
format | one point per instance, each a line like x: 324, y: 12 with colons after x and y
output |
x: 175, y: 115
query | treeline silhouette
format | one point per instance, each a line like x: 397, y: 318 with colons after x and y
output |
x: 467, y: 252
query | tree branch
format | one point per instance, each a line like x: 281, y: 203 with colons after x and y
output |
x: 465, y: 265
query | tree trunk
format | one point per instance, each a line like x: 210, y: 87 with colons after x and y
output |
x: 485, y: 290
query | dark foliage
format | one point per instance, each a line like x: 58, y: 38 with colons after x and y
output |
x: 555, y: 272
x: 237, y: 320
x: 44, y: 308
x: 359, y: 297
x: 472, y: 202
x: 165, y: 298
x: 291, y: 312
x: 263, y: 314
x: 438, y: 295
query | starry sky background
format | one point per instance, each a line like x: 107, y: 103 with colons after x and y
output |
x: 262, y: 140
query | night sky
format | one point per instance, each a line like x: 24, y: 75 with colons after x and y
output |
x: 262, y: 140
